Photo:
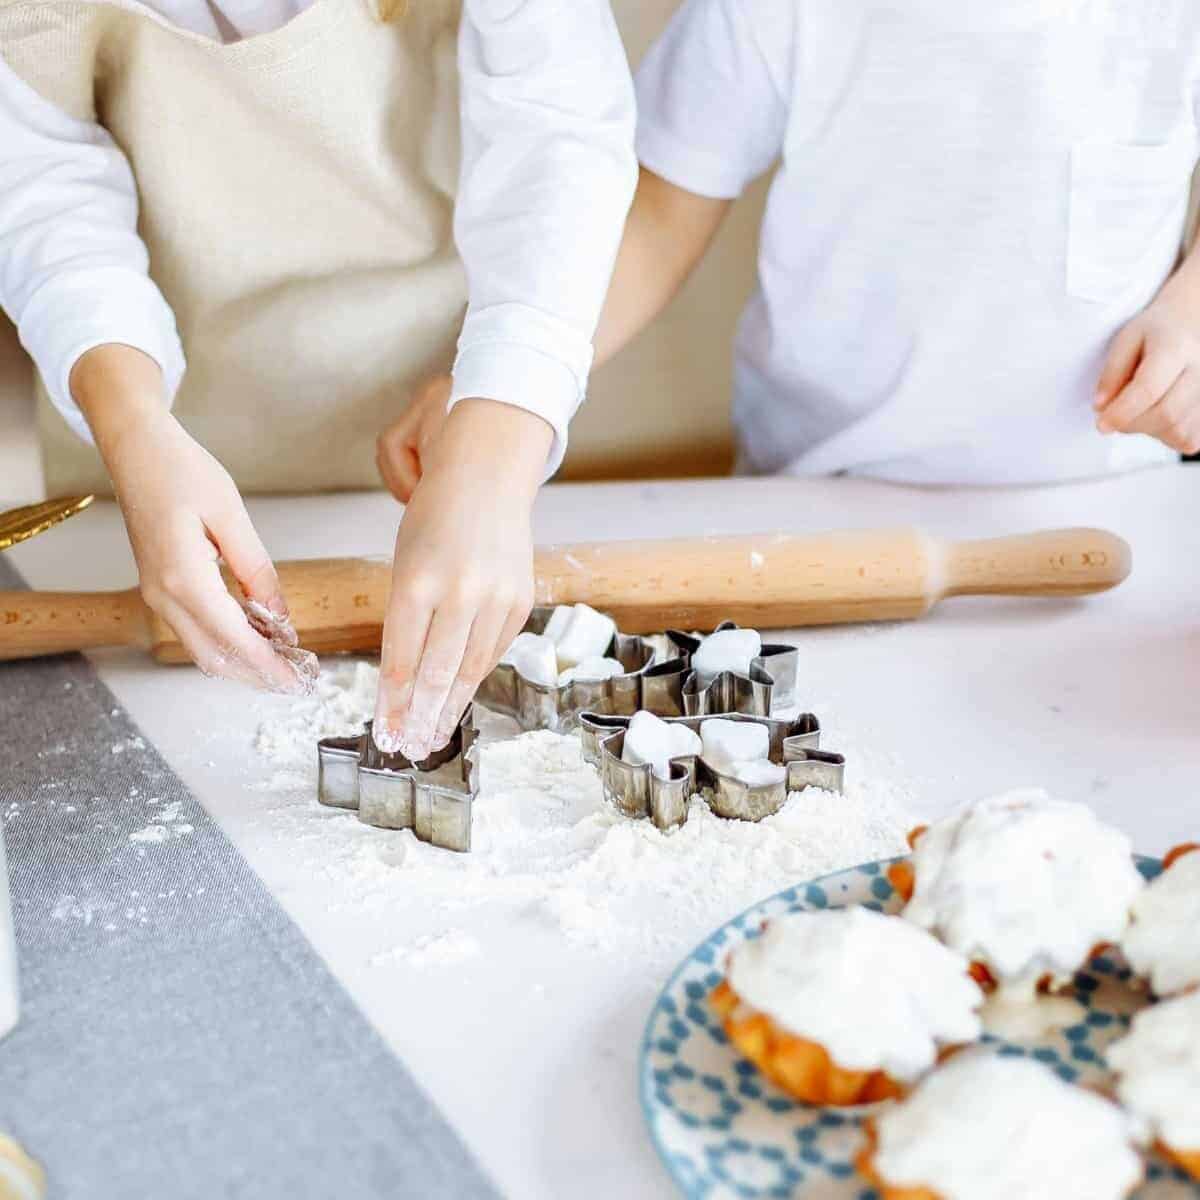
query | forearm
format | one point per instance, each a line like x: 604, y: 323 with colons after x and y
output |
x: 668, y: 232
x: 1183, y: 288
x: 505, y: 443
x: 118, y: 389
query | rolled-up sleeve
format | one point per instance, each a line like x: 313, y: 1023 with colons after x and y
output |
x: 548, y: 176
x: 712, y: 109
x: 74, y: 274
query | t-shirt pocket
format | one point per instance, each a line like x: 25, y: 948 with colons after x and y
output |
x: 1128, y: 206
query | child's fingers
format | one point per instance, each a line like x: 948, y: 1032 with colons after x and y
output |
x: 479, y: 657
x: 397, y: 459
x: 1175, y: 419
x: 410, y: 611
x: 1123, y: 357
x: 1153, y: 379
x: 247, y: 558
x: 217, y: 611
x: 215, y: 632
x: 441, y: 659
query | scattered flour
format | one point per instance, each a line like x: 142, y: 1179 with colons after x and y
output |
x: 432, y: 950
x: 548, y: 848
x: 151, y: 835
x: 73, y: 908
x: 170, y: 824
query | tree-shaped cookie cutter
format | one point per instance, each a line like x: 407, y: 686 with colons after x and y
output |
x: 390, y: 792
x: 557, y: 707
x: 636, y: 791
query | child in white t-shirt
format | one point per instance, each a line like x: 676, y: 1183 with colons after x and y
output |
x: 970, y: 263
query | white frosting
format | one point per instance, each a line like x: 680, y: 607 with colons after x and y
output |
x: 649, y: 739
x: 1024, y: 883
x: 730, y: 742
x: 1158, y: 1063
x: 1163, y: 941
x: 758, y: 772
x: 534, y: 657
x: 874, y: 991
x: 988, y: 1128
x: 592, y: 670
x: 729, y: 650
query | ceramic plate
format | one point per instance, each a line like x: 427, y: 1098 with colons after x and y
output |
x: 724, y: 1131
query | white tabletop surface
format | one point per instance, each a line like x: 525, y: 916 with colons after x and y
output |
x: 1096, y: 700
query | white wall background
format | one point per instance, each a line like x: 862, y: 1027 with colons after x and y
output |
x: 20, y: 467
x: 664, y: 403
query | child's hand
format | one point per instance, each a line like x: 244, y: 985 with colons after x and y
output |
x: 404, y: 445
x: 182, y: 512
x: 1151, y: 381
x: 462, y: 583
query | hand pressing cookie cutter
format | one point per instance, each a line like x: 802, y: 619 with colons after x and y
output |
x: 390, y: 792
x: 558, y: 707
x: 636, y: 791
x: 673, y: 689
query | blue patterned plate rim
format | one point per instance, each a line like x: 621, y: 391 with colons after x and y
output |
x: 1148, y: 865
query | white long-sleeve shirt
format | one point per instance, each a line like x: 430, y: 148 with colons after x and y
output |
x: 547, y: 178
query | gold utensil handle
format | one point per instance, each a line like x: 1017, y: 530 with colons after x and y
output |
x: 24, y: 523
x: 26, y: 1175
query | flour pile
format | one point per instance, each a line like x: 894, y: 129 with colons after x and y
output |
x: 548, y: 847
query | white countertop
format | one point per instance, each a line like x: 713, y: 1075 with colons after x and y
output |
x: 1096, y: 700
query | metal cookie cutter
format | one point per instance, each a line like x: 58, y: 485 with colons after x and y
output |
x: 558, y: 708
x: 636, y: 791
x: 673, y: 689
x: 389, y: 792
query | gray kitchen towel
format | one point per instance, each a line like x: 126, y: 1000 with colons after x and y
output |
x: 179, y: 1039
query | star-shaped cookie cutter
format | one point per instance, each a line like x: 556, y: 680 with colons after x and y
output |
x: 674, y: 689
x: 636, y: 791
x: 390, y: 792
x: 557, y: 707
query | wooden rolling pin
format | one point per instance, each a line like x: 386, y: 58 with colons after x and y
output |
x: 767, y: 581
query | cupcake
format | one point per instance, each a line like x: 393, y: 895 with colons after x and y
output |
x: 982, y: 1127
x: 1163, y: 940
x: 1158, y: 1077
x: 846, y: 1006
x: 1025, y: 886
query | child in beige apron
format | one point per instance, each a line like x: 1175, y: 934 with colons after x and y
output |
x: 297, y: 202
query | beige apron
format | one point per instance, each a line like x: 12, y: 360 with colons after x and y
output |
x: 296, y: 196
